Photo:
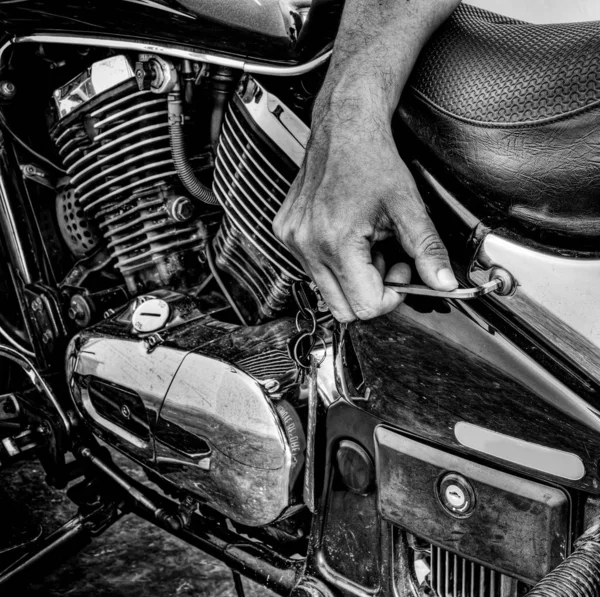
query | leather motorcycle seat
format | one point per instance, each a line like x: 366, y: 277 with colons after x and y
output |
x: 512, y: 110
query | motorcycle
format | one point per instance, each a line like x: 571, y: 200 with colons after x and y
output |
x: 449, y: 448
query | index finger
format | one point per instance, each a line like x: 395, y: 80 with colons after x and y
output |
x: 362, y: 283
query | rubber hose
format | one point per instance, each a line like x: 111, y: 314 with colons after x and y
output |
x: 579, y: 574
x: 186, y: 174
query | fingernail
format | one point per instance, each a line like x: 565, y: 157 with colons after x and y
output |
x: 446, y: 279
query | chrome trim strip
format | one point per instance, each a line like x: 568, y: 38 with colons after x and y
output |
x: 149, y: 48
x: 13, y: 241
x: 517, y: 451
x: 557, y: 297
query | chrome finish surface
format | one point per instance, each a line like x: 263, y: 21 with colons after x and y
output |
x: 251, y: 182
x: 125, y: 364
x: 461, y: 293
x: 123, y: 176
x: 276, y: 120
x: 150, y: 315
x: 11, y: 233
x: 326, y: 376
x: 15, y: 343
x: 120, y: 44
x: 517, y: 451
x: 100, y: 77
x: 207, y: 424
x: 37, y: 380
x: 557, y: 297
x: 250, y: 463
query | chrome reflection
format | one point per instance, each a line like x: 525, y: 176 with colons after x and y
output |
x: 557, y: 297
x: 100, y: 77
x: 518, y: 451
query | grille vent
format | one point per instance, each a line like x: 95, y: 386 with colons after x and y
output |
x: 455, y: 576
x: 269, y: 364
x: 252, y: 179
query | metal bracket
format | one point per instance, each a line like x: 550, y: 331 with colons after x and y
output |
x: 501, y: 282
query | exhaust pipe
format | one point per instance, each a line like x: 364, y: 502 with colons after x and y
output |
x: 579, y: 574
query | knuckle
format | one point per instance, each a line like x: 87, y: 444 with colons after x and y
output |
x: 366, y: 312
x: 328, y: 242
x: 431, y: 244
x: 343, y: 317
x: 301, y: 238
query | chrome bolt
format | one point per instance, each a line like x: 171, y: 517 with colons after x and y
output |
x: 182, y: 209
x: 47, y: 337
x: 125, y: 412
x: 271, y: 385
x: 7, y: 89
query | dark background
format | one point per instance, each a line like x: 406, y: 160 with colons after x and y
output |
x: 131, y: 559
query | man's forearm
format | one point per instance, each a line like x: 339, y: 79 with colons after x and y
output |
x: 375, y: 50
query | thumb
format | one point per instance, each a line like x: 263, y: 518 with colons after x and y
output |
x: 422, y: 242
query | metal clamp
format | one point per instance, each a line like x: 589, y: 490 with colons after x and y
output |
x: 501, y: 283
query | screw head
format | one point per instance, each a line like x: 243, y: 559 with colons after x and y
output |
x: 150, y: 315
x: 125, y: 412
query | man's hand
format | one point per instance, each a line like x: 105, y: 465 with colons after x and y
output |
x: 345, y: 198
x: 353, y: 189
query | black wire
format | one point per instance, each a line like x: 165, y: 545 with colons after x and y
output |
x: 29, y: 149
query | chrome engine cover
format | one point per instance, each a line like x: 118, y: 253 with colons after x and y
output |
x: 201, y: 422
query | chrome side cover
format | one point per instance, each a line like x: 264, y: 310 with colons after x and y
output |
x: 199, y: 422
x: 245, y: 470
x: 557, y: 297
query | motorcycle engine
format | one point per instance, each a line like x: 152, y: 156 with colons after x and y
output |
x: 209, y: 406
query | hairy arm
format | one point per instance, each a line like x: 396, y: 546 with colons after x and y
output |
x: 353, y: 189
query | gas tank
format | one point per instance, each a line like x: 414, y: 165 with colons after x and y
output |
x: 275, y: 31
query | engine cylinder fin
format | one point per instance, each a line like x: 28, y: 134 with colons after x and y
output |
x: 255, y: 159
x: 269, y: 251
x: 245, y: 208
x: 116, y: 151
x: 85, y: 199
x: 148, y: 133
x: 251, y: 182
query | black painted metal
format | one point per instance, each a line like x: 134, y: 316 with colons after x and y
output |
x: 270, y: 30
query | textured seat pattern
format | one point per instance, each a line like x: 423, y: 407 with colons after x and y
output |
x: 515, y: 72
x: 512, y: 111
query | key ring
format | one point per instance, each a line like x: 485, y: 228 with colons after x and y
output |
x: 312, y: 319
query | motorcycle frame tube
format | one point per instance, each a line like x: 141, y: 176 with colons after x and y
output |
x: 254, y: 68
x: 256, y: 561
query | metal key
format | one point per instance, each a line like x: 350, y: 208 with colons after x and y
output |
x: 500, y: 283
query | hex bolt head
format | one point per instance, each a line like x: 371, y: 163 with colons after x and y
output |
x: 182, y: 209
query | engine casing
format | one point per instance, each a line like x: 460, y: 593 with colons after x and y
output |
x: 204, y: 423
